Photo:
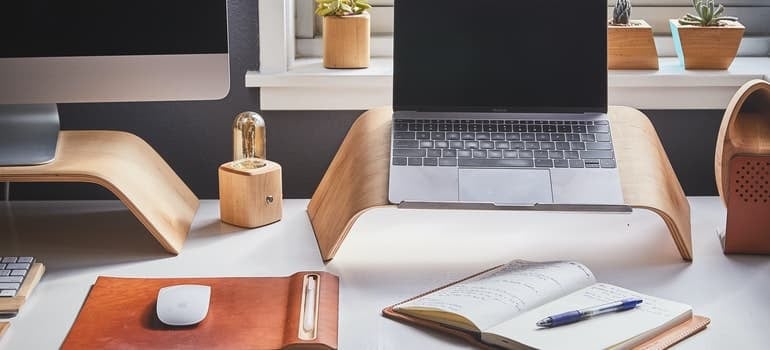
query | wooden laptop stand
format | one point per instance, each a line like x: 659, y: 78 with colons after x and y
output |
x: 128, y: 167
x: 357, y: 178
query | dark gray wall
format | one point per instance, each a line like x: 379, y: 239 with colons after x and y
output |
x: 194, y: 137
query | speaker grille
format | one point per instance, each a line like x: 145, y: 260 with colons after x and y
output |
x: 752, y: 180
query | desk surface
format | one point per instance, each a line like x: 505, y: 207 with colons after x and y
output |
x: 389, y: 255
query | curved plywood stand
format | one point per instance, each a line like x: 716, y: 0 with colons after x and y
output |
x: 128, y: 167
x: 357, y: 178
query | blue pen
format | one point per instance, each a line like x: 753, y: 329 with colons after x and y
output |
x: 582, y: 314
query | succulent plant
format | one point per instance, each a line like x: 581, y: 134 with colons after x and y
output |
x: 621, y: 14
x: 708, y: 14
x: 341, y: 7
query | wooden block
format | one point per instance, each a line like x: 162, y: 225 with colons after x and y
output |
x: 706, y: 47
x: 13, y: 305
x: 631, y: 46
x: 250, y: 197
x: 346, y: 41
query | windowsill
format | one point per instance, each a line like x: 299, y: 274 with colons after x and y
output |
x: 309, y: 86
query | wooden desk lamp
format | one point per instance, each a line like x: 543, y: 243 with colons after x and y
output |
x: 742, y: 169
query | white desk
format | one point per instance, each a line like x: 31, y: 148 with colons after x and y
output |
x: 389, y: 256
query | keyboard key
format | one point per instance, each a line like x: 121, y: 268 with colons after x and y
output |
x: 526, y: 154
x: 607, y: 163
x: 502, y: 145
x: 592, y: 163
x: 5, y: 273
x: 579, y: 129
x: 541, y: 154
x: 487, y: 144
x: 572, y: 137
x: 400, y: 152
x: 18, y: 272
x: 587, y: 137
x: 528, y: 137
x: 479, y: 154
x: 577, y: 145
x: 510, y: 154
x: 543, y: 137
x: 519, y: 128
x: 601, y: 122
x: 7, y: 293
x: 460, y: 127
x: 532, y: 145
x: 598, y: 145
x: 598, y: 128
x: 549, y: 128
x: 491, y: 163
x: 556, y: 155
x: 464, y: 153
x: 401, y: 127
x: 12, y: 279
x: 415, y: 162
x: 513, y: 136
x: 415, y: 127
x: 504, y: 128
x: 455, y: 144
x: 10, y: 285
x: 9, y: 259
x: 445, y: 127
x: 449, y: 153
x: 558, y: 137
x: 475, y: 128
x: 596, y: 155
x: 426, y: 144
x: 453, y: 136
x: 534, y: 128
x: 430, y: 161
x: 438, y: 135
x: 434, y: 153
x: 447, y: 162
x: 543, y: 163
x: 576, y: 163
x: 471, y: 144
x: 490, y: 128
x: 602, y: 137
x: 562, y: 146
x: 18, y: 266
x: 497, y: 136
x: 560, y: 163
x: 564, y: 128
x: 468, y: 136
x: 482, y: 136
x: 571, y: 155
x: 442, y: 144
x: 431, y: 127
x: 424, y: 135
x: 406, y: 144
x: 403, y: 135
x: 495, y: 154
x: 517, y: 145
x: 547, y: 146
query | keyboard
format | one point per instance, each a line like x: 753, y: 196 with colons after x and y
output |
x: 13, y: 270
x: 502, y: 143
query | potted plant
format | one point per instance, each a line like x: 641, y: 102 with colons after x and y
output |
x: 346, y: 28
x: 706, y: 40
x: 630, y: 43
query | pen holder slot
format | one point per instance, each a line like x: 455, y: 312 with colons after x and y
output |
x: 307, y: 325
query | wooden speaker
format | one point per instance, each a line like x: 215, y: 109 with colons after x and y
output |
x: 742, y: 169
x: 250, y: 196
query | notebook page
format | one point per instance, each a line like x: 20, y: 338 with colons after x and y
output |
x: 652, y: 316
x: 502, y: 293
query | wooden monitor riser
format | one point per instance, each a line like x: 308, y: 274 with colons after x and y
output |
x: 357, y: 178
x: 128, y: 167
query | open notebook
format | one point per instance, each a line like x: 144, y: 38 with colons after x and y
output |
x: 499, y: 307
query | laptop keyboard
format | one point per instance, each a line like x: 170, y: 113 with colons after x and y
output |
x: 502, y: 143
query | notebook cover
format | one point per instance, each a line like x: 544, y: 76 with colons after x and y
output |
x: 244, y: 313
x: 660, y: 342
x: 12, y: 305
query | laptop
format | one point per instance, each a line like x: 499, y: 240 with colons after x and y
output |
x: 502, y: 104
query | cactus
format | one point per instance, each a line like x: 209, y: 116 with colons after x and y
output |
x: 341, y: 7
x: 621, y: 14
x: 708, y: 14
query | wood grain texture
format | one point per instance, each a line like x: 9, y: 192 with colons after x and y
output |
x: 631, y: 47
x: 346, y: 41
x: 244, y: 313
x: 745, y: 129
x: 13, y: 305
x: 707, y: 47
x: 244, y: 193
x: 357, y: 178
x: 128, y: 167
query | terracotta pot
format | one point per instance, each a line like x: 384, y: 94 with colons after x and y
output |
x: 346, y: 41
x: 631, y: 46
x: 706, y: 47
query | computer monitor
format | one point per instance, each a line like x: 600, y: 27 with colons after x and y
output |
x: 54, y: 51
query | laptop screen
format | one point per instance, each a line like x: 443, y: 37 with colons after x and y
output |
x: 500, y: 56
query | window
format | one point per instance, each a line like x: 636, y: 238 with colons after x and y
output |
x: 291, y: 76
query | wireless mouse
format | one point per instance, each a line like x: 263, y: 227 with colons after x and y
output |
x: 183, y: 305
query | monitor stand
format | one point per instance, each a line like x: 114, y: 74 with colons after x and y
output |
x: 28, y: 134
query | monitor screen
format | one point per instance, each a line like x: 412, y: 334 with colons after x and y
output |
x: 102, y: 51
x: 500, y: 56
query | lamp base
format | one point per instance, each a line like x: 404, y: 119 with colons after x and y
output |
x: 250, y: 197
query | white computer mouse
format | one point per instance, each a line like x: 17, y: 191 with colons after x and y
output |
x: 183, y: 305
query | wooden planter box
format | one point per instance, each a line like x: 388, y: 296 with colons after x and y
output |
x: 706, y: 47
x: 346, y: 41
x: 631, y: 46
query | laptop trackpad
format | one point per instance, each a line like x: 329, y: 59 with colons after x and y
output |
x: 506, y: 186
